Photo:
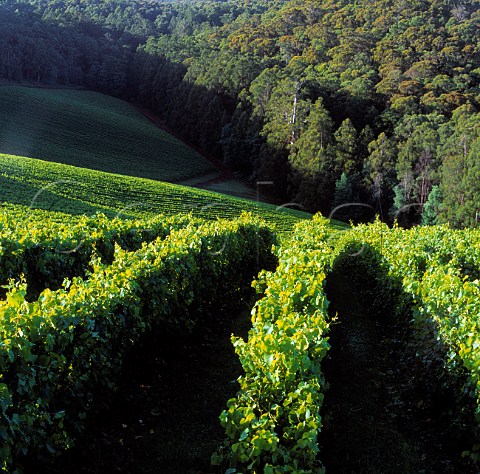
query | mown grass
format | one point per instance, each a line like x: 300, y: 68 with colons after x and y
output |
x: 68, y: 189
x: 92, y: 130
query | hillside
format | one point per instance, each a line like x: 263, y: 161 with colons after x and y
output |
x: 162, y: 311
x: 375, y: 102
x: 91, y: 130
x: 72, y: 190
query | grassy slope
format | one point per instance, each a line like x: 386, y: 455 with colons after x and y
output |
x: 93, y: 131
x: 80, y: 191
x: 98, y: 135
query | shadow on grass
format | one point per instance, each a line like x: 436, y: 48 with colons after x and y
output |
x: 165, y: 416
x: 383, y: 412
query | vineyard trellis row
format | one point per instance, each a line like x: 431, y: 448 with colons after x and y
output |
x: 272, y: 425
x: 68, y: 189
x: 57, y: 354
x: 44, y: 251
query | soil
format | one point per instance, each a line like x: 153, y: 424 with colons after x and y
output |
x: 374, y: 419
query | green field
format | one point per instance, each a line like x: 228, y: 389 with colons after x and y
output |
x: 72, y: 190
x: 92, y: 130
x: 98, y: 134
x: 90, y: 153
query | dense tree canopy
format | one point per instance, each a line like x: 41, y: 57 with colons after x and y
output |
x: 376, y: 100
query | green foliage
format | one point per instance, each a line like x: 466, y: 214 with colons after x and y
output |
x: 431, y: 210
x: 438, y: 269
x: 61, y: 354
x: 196, y: 64
x: 428, y: 273
x: 346, y: 138
x: 418, y: 163
x: 74, y: 190
x: 45, y: 252
x: 343, y: 195
x: 273, y: 424
x: 285, y: 112
x: 312, y: 159
x: 459, y: 183
x: 379, y: 164
x: 91, y: 130
x: 399, y: 202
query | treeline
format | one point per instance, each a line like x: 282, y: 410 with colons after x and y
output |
x: 335, y: 102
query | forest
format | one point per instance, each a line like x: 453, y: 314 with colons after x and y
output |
x: 333, y: 101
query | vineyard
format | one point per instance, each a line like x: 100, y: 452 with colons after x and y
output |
x: 92, y: 130
x: 426, y: 277
x: 82, y: 292
x: 63, y: 350
x: 67, y: 189
x: 173, y: 298
x: 100, y: 269
x: 51, y: 251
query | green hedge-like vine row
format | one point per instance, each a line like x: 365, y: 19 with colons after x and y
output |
x: 273, y: 423
x: 46, y: 251
x: 439, y: 270
x: 58, y: 353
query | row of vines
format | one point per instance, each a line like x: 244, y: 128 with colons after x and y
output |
x: 61, y: 353
x: 82, y: 291
x: 429, y: 273
x: 45, y: 248
x: 69, y: 189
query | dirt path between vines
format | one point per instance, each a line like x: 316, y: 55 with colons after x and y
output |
x: 165, y: 418
x: 374, y: 423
